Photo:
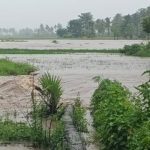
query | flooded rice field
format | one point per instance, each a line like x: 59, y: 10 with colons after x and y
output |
x: 68, y: 44
x: 76, y: 71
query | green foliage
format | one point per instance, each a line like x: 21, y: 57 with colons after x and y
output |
x: 144, y: 96
x: 8, y: 67
x: 21, y: 132
x: 78, y: 116
x: 56, y: 51
x: 10, y: 131
x: 51, y: 91
x: 142, y: 50
x: 57, y: 137
x: 117, y: 25
x: 146, y: 24
x: 114, y: 115
x: 141, y: 138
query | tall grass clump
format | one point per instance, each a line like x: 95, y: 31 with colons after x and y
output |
x: 78, y: 116
x: 8, y: 67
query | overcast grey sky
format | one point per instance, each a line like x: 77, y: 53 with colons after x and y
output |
x: 31, y: 13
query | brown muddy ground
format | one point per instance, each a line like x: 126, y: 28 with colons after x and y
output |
x: 15, y: 95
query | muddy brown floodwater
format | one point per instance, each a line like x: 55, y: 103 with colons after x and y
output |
x: 76, y: 72
x: 69, y: 44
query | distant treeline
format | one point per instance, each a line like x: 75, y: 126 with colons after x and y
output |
x: 125, y: 27
x: 118, y: 27
x: 38, y: 33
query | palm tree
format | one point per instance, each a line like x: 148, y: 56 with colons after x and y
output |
x: 50, y: 91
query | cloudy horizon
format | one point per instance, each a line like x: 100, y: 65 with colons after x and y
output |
x: 31, y: 13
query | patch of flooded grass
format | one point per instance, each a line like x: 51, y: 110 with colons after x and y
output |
x: 8, y: 67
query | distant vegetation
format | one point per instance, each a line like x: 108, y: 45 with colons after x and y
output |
x: 118, y: 27
x: 55, y: 51
x: 142, y: 50
x: 8, y: 67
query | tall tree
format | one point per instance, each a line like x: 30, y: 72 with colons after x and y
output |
x: 127, y: 27
x: 75, y: 28
x: 108, y: 25
x: 146, y: 25
x: 100, y: 27
x: 87, y: 24
x: 116, y: 25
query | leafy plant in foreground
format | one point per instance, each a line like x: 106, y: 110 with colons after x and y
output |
x: 113, y: 115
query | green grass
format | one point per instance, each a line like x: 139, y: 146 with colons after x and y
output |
x: 21, y: 132
x: 8, y: 67
x: 141, y: 50
x: 10, y: 131
x: 55, y: 51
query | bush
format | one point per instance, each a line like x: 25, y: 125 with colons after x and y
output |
x: 133, y: 49
x: 142, y: 50
x: 114, y: 115
x: 141, y: 138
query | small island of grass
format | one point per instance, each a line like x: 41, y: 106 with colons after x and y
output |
x: 8, y: 67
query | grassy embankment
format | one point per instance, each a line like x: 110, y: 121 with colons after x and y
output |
x: 141, y: 50
x: 55, y: 51
x: 8, y: 67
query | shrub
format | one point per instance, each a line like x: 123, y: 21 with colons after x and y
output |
x: 142, y: 50
x: 141, y: 138
x: 132, y: 49
x: 114, y: 115
x: 144, y: 96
